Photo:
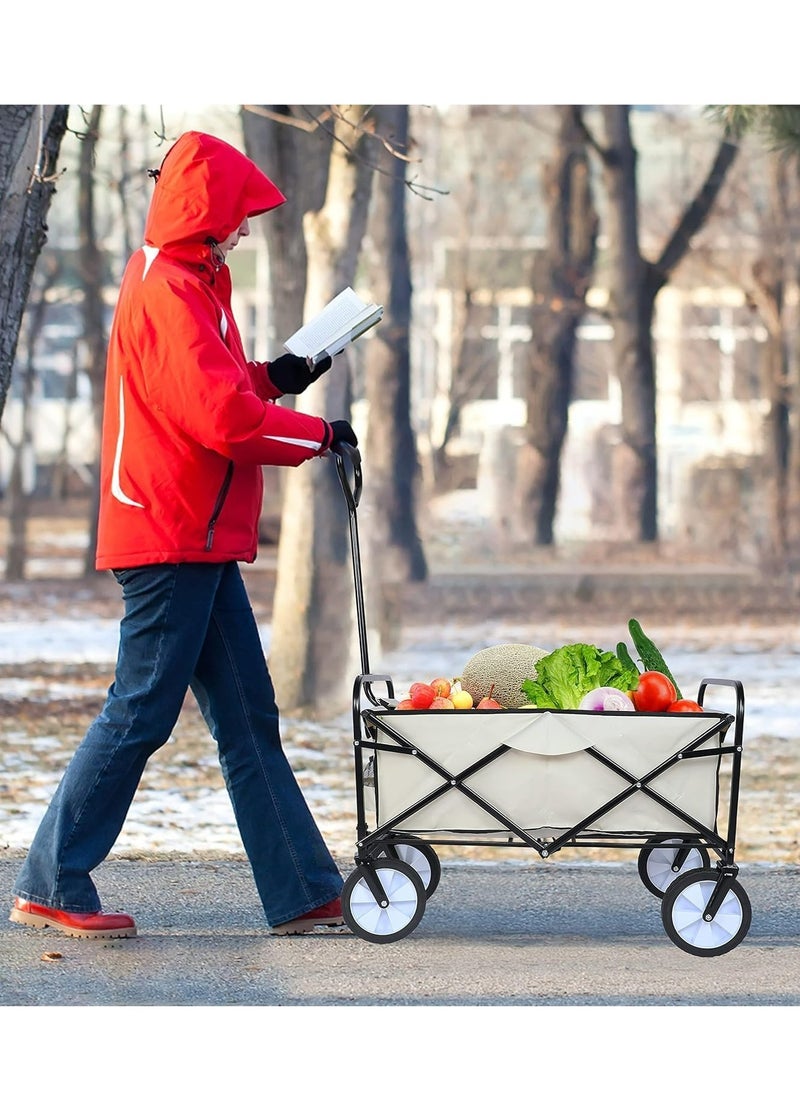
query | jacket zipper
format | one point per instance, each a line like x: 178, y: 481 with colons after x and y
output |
x: 220, y: 502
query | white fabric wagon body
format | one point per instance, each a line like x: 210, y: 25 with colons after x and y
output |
x: 553, y: 771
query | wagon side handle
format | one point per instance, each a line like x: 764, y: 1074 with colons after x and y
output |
x: 348, y: 463
x: 739, y: 690
x: 736, y: 762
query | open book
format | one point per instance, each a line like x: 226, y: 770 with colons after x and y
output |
x: 340, y: 322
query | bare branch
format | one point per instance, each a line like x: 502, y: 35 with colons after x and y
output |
x: 161, y: 132
x: 696, y: 213
x: 40, y: 173
x: 763, y: 296
x: 590, y: 137
x: 307, y: 125
x: 364, y: 125
x: 369, y: 129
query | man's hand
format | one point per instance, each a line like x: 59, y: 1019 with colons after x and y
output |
x: 292, y: 374
x: 342, y: 431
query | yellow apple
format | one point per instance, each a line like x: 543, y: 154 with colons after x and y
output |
x: 461, y: 699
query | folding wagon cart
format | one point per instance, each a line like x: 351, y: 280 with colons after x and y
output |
x: 543, y: 779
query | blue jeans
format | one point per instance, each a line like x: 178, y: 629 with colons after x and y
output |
x: 187, y: 625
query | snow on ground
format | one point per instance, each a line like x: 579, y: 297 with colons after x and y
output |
x: 183, y: 806
x: 766, y: 661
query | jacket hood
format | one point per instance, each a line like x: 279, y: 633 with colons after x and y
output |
x: 205, y: 187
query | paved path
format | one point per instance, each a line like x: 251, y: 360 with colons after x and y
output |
x: 493, y: 934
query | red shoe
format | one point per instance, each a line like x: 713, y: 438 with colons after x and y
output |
x: 92, y: 926
x: 329, y: 915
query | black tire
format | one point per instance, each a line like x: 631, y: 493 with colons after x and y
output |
x: 682, y: 913
x: 421, y: 858
x: 656, y: 863
x: 364, y: 915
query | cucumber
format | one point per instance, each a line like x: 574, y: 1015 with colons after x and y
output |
x: 651, y: 657
x: 624, y: 655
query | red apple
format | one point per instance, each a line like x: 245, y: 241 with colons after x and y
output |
x: 421, y: 695
x: 442, y: 702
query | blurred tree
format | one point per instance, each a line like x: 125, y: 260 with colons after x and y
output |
x: 394, y: 552
x: 634, y: 283
x: 312, y: 626
x: 91, y: 268
x: 773, y: 288
x: 561, y: 278
x: 30, y: 139
x: 291, y: 145
x: 324, y: 158
x: 466, y: 369
x: 22, y: 446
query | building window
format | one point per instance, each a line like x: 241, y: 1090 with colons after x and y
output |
x: 720, y: 354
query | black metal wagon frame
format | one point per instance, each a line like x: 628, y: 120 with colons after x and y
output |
x: 705, y: 910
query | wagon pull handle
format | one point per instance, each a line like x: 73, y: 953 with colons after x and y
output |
x: 345, y: 455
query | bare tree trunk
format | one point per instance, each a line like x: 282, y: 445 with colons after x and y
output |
x: 297, y: 161
x: 784, y: 261
x: 394, y: 554
x: 792, y: 342
x: 634, y: 462
x: 30, y: 139
x: 18, y: 496
x: 633, y: 287
x: 775, y: 285
x: 18, y: 501
x: 122, y: 184
x: 462, y: 379
x: 59, y: 484
x: 312, y: 629
x: 94, y: 333
x: 561, y: 282
x: 768, y: 292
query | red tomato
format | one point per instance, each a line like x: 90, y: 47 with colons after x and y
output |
x: 684, y: 705
x: 654, y: 693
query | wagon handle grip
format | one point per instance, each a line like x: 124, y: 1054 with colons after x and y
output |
x: 346, y: 454
x: 739, y: 691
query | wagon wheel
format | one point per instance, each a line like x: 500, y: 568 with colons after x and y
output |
x: 421, y: 858
x: 379, y: 919
x: 682, y: 913
x: 657, y: 863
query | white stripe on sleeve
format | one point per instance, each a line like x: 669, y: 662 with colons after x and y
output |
x: 306, y: 443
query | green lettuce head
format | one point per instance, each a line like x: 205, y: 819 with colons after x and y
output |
x: 567, y: 674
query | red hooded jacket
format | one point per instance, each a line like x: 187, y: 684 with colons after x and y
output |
x: 188, y: 421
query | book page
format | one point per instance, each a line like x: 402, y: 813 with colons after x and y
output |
x: 338, y: 319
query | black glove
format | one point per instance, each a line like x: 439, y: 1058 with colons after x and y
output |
x: 292, y: 374
x: 342, y: 431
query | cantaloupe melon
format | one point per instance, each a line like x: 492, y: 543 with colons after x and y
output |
x: 504, y: 666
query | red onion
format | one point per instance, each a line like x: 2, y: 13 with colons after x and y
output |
x: 607, y: 699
